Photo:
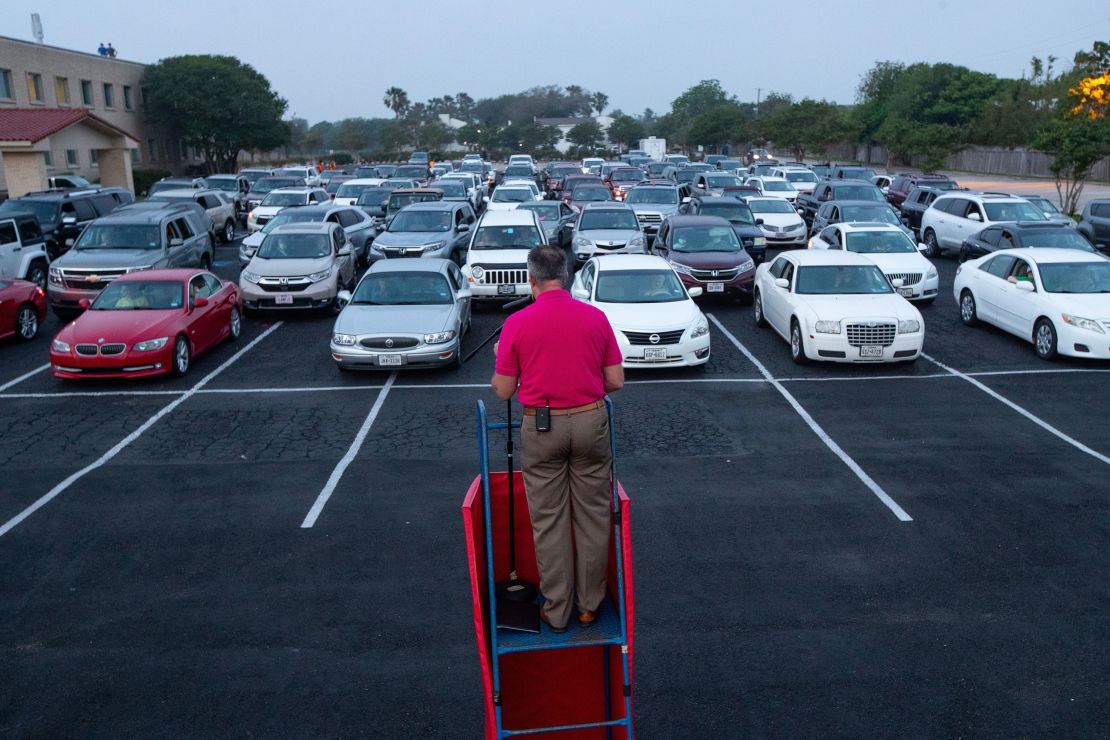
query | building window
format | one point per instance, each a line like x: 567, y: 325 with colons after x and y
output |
x: 49, y: 157
x: 34, y: 88
x: 6, y: 91
x: 127, y: 102
x: 171, y: 149
x: 152, y: 147
x: 94, y: 158
x: 71, y: 158
x: 136, y: 155
x: 86, y: 93
x: 109, y: 95
x: 61, y: 90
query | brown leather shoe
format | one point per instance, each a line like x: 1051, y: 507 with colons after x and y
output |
x: 545, y: 620
x: 587, y: 618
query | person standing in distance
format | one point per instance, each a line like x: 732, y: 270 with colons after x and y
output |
x: 563, y: 355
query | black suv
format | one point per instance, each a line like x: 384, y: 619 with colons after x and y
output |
x: 62, y: 214
x: 1095, y: 222
x: 737, y: 213
x: 903, y: 183
x: 917, y: 202
x: 1018, y: 234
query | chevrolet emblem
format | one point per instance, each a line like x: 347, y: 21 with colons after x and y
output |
x: 92, y: 279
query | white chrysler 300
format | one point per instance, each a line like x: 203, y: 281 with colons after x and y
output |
x: 836, y: 306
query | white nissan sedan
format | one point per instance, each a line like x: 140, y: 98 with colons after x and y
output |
x: 888, y: 247
x: 654, y: 317
x: 1058, y: 299
x: 836, y: 306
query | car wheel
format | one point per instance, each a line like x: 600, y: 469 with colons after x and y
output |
x: 757, y: 310
x: 36, y: 273
x: 1044, y: 339
x: 27, y: 322
x: 235, y: 324
x: 797, y: 347
x: 968, y: 314
x: 932, y: 244
x: 228, y: 235
x: 182, y: 356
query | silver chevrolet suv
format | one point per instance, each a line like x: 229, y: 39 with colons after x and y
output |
x: 654, y: 202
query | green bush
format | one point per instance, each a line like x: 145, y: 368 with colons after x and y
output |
x: 145, y: 178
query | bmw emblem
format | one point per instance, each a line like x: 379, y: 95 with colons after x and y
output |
x: 389, y: 343
x: 100, y: 341
x: 654, y: 339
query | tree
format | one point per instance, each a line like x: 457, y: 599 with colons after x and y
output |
x: 397, y: 100
x: 598, y: 102
x: 1077, y: 143
x: 625, y: 130
x: 700, y: 98
x: 586, y: 135
x: 464, y: 106
x: 724, y: 124
x: 807, y: 126
x: 218, y: 104
x: 298, y: 129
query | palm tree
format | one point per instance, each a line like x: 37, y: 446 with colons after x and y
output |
x: 397, y: 100
x: 599, y: 101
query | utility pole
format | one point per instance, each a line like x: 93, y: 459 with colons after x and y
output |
x: 758, y: 95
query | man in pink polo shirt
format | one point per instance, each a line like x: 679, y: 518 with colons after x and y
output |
x: 564, y: 357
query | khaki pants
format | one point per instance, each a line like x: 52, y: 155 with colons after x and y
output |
x: 566, y: 479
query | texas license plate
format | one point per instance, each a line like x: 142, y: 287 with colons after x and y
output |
x: 655, y: 353
x: 506, y: 290
x: 715, y: 288
x: 283, y: 300
x: 905, y: 292
x: 870, y: 351
x: 389, y: 360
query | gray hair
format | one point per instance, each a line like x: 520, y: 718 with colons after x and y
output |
x: 547, y: 263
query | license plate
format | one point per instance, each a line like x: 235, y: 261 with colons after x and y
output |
x: 870, y: 351
x: 715, y: 288
x: 655, y: 353
x: 283, y: 300
x: 506, y: 290
x: 389, y: 359
x: 905, y: 292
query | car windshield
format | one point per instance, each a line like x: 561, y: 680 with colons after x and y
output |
x: 295, y: 246
x: 1016, y: 211
x: 403, y: 289
x: 1063, y: 238
x: 737, y: 213
x: 628, y: 175
x: 842, y: 280
x: 545, y: 211
x: 291, y: 216
x: 729, y: 164
x: 167, y: 198
x: 857, y: 173
x: 452, y: 188
x: 119, y: 236
x: 349, y: 190
x: 608, y: 219
x: 397, y: 202
x: 777, y: 186
x: 46, y: 213
x: 639, y: 286
x: 472, y: 167
x: 565, y: 170
x: 1045, y: 205
x: 518, y: 170
x: 414, y: 171
x: 512, y: 195
x: 685, y: 175
x: 399, y: 183
x: 227, y: 184
x: 373, y: 196
x: 294, y: 172
x: 706, y: 239
x: 160, y: 186
x: 592, y: 194
x: 770, y: 205
x: 266, y: 184
x: 879, y: 242
x: 136, y: 295
x: 506, y: 237
x: 801, y: 177
x: 859, y: 192
x: 335, y: 183
x: 1076, y: 277
x: 658, y: 196
x: 284, y: 199
x: 420, y: 221
x: 723, y: 181
x: 366, y: 172
x: 868, y: 213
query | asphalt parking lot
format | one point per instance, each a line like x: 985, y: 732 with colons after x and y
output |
x: 268, y: 548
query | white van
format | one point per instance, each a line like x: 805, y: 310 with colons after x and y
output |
x: 497, y: 256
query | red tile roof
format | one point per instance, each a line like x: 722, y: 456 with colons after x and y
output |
x: 35, y: 124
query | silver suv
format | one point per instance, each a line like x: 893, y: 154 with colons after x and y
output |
x: 607, y: 228
x: 216, y: 204
x: 955, y: 216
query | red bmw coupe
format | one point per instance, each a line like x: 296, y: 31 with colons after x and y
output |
x: 148, y: 323
x: 22, y: 308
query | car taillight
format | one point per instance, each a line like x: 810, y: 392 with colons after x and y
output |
x: 39, y: 292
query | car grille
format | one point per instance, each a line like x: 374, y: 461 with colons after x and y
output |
x: 612, y: 245
x: 724, y: 274
x: 870, y: 334
x: 262, y: 220
x: 663, y: 337
x: 650, y: 218
x: 79, y: 279
x: 908, y: 278
x: 388, y: 343
x: 504, y: 274
x: 112, y: 349
x: 88, y: 350
x: 108, y: 350
x: 284, y: 285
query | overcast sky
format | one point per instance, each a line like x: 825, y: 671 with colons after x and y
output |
x: 334, y: 59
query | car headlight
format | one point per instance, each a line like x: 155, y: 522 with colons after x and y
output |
x: 700, y: 329
x: 246, y: 251
x: 749, y: 265
x: 681, y: 268
x: 637, y: 242
x: 59, y: 346
x: 151, y: 344
x: 439, y: 337
x: 139, y: 269
x: 931, y: 274
x: 251, y: 216
x: 827, y: 327
x: 909, y: 327
x: 478, y: 272
x: 249, y: 276
x: 322, y: 275
x: 759, y: 241
x: 581, y: 241
x: 433, y: 246
x: 55, y: 276
x: 343, y: 340
x: 1082, y: 323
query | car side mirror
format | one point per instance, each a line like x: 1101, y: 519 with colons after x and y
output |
x: 759, y: 222
x: 176, y: 242
x: 580, y: 293
x: 897, y: 282
x: 782, y: 283
x: 345, y: 251
x: 974, y: 216
x: 923, y: 248
x: 462, y: 228
x: 200, y: 302
x: 343, y: 297
x: 1026, y: 286
x: 695, y: 291
x: 485, y: 199
x: 685, y: 200
x: 84, y: 303
x: 463, y: 294
x: 69, y: 220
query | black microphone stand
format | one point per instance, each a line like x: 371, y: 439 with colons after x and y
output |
x: 514, y: 589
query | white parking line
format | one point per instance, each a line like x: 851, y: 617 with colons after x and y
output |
x: 107, y: 456
x: 822, y: 435
x: 1028, y: 415
x: 23, y: 377
x: 340, y: 468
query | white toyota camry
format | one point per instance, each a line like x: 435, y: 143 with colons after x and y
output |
x: 836, y: 306
x: 1058, y: 299
x: 888, y: 247
x: 654, y: 317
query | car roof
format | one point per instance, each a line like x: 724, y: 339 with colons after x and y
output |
x: 182, y: 193
x: 303, y: 190
x: 826, y: 257
x: 417, y: 191
x: 508, y: 218
x: 321, y: 209
x: 631, y: 262
x: 851, y: 181
x: 1033, y: 225
x: 726, y: 199
x: 434, y: 205
x: 848, y: 202
x: 985, y: 197
x: 606, y: 205
x: 147, y: 212
x: 171, y: 273
x: 681, y: 221
x: 425, y: 264
x: 868, y: 226
x: 1055, y: 254
x: 304, y: 227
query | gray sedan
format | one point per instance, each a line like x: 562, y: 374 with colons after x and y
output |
x: 403, y: 313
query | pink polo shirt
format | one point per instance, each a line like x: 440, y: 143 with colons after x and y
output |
x: 558, y: 347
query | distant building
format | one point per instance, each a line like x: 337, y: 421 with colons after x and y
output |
x: 566, y: 124
x: 36, y: 77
